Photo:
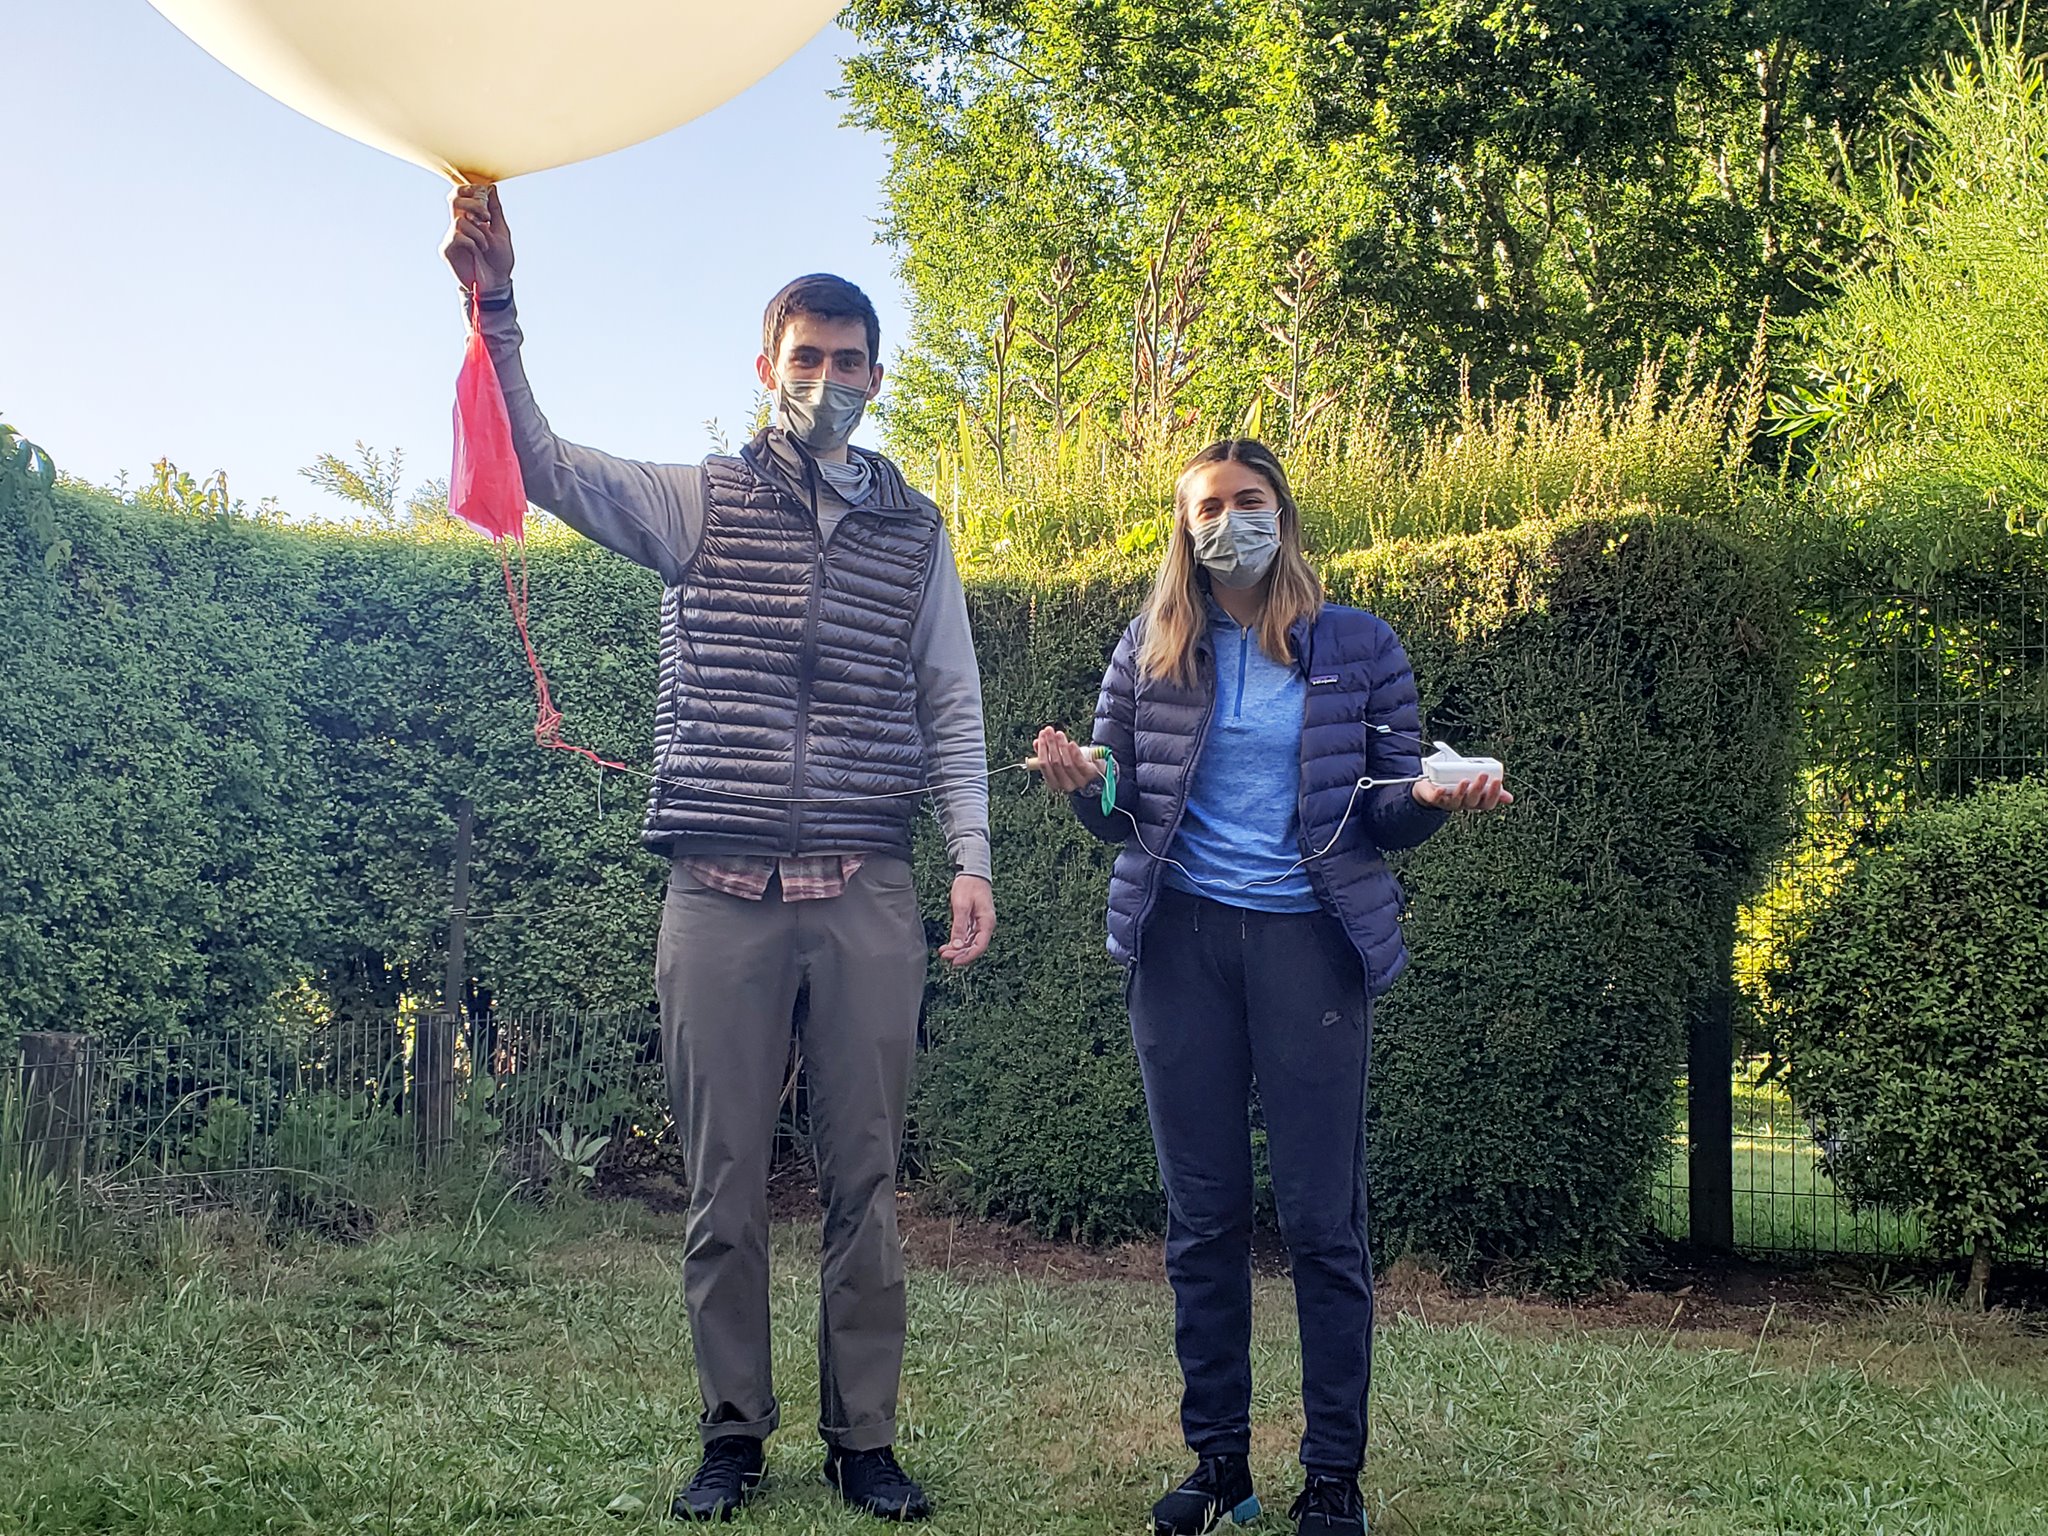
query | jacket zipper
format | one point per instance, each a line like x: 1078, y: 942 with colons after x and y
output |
x: 806, y: 665
x: 803, y: 702
x: 813, y: 603
x: 1306, y: 666
x: 1154, y: 868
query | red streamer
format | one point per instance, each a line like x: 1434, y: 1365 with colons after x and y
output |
x: 547, y: 723
x: 486, y: 490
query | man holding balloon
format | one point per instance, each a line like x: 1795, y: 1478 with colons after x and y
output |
x: 817, y: 674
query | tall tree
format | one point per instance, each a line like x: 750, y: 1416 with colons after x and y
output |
x: 1924, y: 410
x: 1539, y: 188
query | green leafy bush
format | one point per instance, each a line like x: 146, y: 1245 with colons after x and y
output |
x: 235, y: 757
x: 326, y: 1156
x: 322, y: 1161
x: 1636, y: 673
x: 226, y: 1139
x: 1913, y: 1010
x: 241, y: 749
x: 154, y: 837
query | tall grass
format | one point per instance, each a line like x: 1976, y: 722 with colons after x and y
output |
x: 1026, y: 497
x: 331, y: 1166
x: 1925, y: 401
x: 40, y: 1227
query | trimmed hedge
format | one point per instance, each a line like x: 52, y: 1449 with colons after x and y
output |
x: 151, y: 875
x: 1637, y: 673
x: 1913, y: 1013
x: 240, y: 749
x: 235, y: 756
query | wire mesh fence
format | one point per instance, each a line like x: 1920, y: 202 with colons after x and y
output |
x: 1911, y: 697
x: 1785, y: 1202
x: 322, y: 1123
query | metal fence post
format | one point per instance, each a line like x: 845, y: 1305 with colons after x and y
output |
x: 434, y: 1051
x: 1710, y: 1103
x: 55, y: 1103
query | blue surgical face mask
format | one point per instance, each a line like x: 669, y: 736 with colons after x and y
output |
x: 820, y: 413
x: 1238, y: 548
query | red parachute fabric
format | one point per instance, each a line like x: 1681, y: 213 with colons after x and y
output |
x: 486, y: 490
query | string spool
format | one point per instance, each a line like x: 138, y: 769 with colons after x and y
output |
x: 1094, y: 754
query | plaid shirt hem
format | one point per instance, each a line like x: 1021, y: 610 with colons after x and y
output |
x: 813, y: 878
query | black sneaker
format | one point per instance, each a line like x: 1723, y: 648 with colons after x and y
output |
x: 724, y: 1480
x: 871, y: 1481
x: 1329, y: 1506
x: 1219, y: 1489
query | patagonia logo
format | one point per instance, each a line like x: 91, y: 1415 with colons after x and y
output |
x: 1317, y: 682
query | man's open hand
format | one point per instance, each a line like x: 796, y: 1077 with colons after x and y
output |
x: 974, y: 920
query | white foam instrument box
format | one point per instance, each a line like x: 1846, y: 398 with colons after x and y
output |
x: 1450, y: 768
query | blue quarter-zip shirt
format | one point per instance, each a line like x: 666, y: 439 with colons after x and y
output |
x: 1242, y: 827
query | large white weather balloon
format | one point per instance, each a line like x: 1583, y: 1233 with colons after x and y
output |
x: 484, y: 89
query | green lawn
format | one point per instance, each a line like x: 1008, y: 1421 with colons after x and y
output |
x: 482, y: 1376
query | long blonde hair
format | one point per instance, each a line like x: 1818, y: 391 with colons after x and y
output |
x: 1176, y: 615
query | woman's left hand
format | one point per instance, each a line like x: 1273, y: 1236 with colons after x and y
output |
x: 1484, y: 793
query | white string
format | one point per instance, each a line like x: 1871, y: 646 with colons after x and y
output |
x: 932, y: 788
x: 1138, y: 834
x: 893, y: 794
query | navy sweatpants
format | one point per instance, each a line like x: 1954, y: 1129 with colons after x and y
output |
x: 1223, y: 997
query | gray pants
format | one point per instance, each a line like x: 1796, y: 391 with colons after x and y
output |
x: 727, y: 972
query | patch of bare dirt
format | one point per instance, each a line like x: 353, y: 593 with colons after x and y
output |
x: 1732, y: 1300
x: 1669, y: 1293
x: 962, y: 1245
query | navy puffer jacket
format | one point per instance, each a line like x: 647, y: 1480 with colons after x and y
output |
x: 1360, y: 721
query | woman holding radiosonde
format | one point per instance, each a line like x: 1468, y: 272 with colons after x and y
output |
x: 1262, y: 749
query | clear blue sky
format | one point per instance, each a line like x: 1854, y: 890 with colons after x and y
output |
x: 191, y: 269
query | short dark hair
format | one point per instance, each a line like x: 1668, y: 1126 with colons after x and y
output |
x: 827, y: 297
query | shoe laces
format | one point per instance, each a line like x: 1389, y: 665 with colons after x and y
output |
x: 1336, y: 1497
x: 736, y: 1449
x: 1210, y: 1474
x: 879, y: 1469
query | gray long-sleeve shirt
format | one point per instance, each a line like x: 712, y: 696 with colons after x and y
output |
x: 653, y: 514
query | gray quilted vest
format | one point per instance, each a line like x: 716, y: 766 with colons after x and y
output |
x: 786, y: 672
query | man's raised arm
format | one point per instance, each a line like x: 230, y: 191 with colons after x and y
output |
x: 653, y: 514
